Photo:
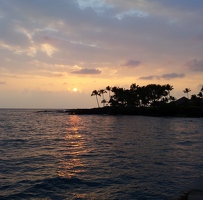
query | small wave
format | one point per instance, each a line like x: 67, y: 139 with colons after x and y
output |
x: 185, y: 143
x: 53, y: 188
x: 65, y: 182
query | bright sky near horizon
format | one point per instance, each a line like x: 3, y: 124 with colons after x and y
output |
x: 55, y: 53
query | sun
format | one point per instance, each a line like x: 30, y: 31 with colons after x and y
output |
x: 75, y: 89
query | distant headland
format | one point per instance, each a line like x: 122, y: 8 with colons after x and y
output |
x: 150, y: 100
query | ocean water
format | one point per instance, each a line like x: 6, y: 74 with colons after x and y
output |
x: 51, y: 155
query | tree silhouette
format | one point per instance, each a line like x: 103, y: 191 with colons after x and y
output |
x: 102, y: 91
x: 119, y: 97
x: 104, y: 102
x: 187, y: 90
x: 168, y: 88
x: 151, y: 95
x: 135, y: 94
x: 152, y: 99
x: 134, y: 86
x: 108, y: 88
x: 96, y: 93
x: 155, y: 93
x: 200, y: 94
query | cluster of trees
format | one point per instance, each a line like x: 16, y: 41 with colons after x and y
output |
x: 150, y: 100
x: 199, y: 95
x: 150, y: 95
x: 140, y: 96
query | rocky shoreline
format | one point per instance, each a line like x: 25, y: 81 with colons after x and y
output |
x: 141, y: 111
x: 149, y: 111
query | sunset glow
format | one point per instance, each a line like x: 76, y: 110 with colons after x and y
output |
x: 49, y: 55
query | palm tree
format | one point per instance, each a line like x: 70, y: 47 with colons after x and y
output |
x: 102, y: 91
x: 134, y: 95
x: 96, y: 93
x: 187, y: 90
x: 168, y: 88
x: 109, y: 89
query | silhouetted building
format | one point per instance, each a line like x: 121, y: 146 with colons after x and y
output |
x: 182, y: 101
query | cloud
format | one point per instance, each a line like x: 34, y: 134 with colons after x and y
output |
x: 2, y: 82
x: 148, y: 77
x: 163, y: 76
x: 182, y: 4
x: 195, y: 65
x: 98, y: 5
x: 87, y: 71
x: 12, y: 34
x: 172, y: 76
x: 132, y: 13
x: 57, y: 24
x: 132, y: 63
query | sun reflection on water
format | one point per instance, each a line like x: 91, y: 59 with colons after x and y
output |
x: 71, y: 163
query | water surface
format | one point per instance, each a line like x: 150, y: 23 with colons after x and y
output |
x: 59, y: 156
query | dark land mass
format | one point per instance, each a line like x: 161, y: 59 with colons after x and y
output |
x: 149, y: 100
x: 171, y: 110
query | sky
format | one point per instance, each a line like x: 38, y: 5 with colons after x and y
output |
x: 54, y: 53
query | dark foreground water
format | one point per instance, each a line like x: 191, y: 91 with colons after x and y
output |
x: 60, y: 156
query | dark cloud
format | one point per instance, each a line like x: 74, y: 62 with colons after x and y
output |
x: 172, y: 76
x: 163, y: 76
x: 92, y: 27
x: 195, y: 65
x: 182, y: 4
x: 87, y: 71
x: 92, y: 32
x: 132, y: 63
x: 148, y: 77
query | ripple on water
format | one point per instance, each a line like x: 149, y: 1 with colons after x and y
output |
x: 57, y: 156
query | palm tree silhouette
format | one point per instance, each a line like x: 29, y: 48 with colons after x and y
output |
x: 187, y: 90
x: 135, y: 94
x: 96, y: 93
x: 168, y: 88
x: 102, y: 91
x: 109, y: 89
